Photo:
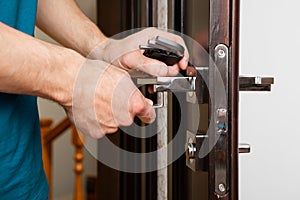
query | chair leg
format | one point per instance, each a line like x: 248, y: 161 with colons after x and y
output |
x: 78, y: 158
x: 47, y: 152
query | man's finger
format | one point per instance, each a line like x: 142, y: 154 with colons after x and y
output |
x: 183, y: 63
x: 136, y: 60
x: 142, y: 108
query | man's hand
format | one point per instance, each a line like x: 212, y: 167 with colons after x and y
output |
x: 88, y: 40
x: 104, y: 98
x: 97, y: 96
x: 125, y: 53
x: 112, y: 103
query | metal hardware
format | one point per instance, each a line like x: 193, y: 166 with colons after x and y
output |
x: 194, y: 142
x: 161, y: 84
x: 255, y: 83
x: 196, y: 87
x: 160, y: 100
x: 222, y: 187
x: 221, y: 53
x: 191, y: 150
x: 218, y: 130
x: 201, y: 94
x: 246, y: 83
x: 165, y: 50
x: 174, y: 84
x: 222, y: 119
x: 258, y: 80
x: 244, y: 148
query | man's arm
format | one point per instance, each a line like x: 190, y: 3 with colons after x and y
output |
x: 31, y: 66
x: 66, y: 23
x: 89, y: 90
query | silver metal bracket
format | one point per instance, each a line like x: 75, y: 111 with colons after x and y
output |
x: 218, y: 130
x: 174, y: 84
x: 162, y: 84
x: 160, y: 100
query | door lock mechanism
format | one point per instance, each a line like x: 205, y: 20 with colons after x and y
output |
x: 194, y: 142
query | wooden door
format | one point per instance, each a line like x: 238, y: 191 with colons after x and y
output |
x: 209, y: 169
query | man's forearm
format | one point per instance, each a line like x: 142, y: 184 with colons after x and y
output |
x: 30, y: 66
x: 65, y: 22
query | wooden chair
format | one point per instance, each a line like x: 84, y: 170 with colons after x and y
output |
x: 49, y: 133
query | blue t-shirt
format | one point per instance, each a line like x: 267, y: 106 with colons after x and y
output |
x: 21, y: 169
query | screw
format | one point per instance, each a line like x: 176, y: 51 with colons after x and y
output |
x: 222, y: 187
x: 191, y: 94
x: 191, y: 150
x: 221, y: 53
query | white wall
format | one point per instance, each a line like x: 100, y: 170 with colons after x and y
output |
x: 270, y: 35
x: 63, y: 151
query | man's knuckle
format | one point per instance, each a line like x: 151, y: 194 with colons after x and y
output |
x: 139, y: 108
x: 110, y: 130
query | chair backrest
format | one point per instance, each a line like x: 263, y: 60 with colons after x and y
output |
x: 49, y: 133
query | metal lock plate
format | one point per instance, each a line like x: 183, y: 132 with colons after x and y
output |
x: 194, y: 142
